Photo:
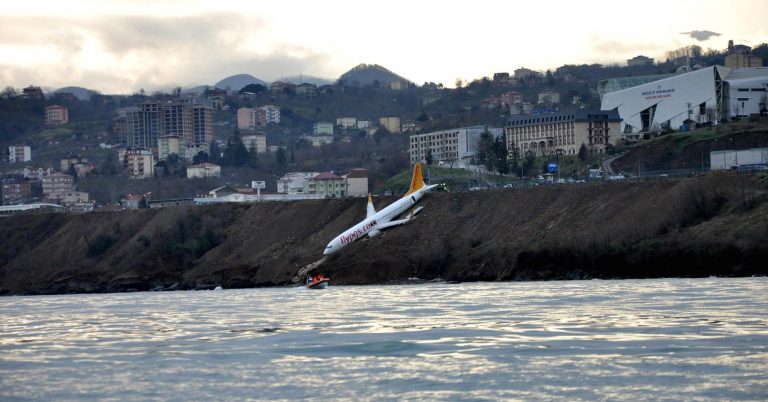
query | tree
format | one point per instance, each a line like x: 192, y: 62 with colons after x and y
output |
x: 236, y: 154
x: 201, y: 157
x: 583, y: 152
x: 484, y: 149
x: 500, y: 155
x: 8, y: 93
x: 280, y: 158
x: 253, y: 88
x: 529, y: 162
x: 215, y: 153
x: 73, y: 172
x: 429, y: 157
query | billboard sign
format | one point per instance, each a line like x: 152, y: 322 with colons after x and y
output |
x: 258, y: 185
x: 552, y: 167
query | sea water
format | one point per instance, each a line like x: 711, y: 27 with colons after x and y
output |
x: 675, y: 339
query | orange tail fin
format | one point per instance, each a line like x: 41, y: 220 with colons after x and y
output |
x: 417, y: 181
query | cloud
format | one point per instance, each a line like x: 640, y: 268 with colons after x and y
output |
x: 700, y: 36
x: 123, y: 53
x: 608, y: 49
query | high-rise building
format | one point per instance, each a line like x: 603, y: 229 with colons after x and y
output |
x: 142, y: 127
x: 202, y: 124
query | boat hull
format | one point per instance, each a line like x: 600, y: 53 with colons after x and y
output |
x: 321, y: 284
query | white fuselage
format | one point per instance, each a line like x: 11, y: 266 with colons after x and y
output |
x: 372, y: 224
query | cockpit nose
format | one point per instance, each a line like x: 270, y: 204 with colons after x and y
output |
x: 330, y: 248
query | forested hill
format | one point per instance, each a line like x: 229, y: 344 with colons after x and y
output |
x: 369, y: 74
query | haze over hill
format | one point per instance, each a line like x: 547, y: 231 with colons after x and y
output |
x: 83, y: 94
x: 367, y: 74
x: 237, y: 81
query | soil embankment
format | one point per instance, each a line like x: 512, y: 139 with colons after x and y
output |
x: 712, y: 225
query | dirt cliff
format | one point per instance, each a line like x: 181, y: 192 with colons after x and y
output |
x: 713, y: 225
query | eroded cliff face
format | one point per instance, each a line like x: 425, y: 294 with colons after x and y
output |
x: 715, y: 225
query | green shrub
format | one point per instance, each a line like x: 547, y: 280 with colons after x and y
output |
x: 99, y: 245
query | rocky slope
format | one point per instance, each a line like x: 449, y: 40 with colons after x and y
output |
x: 713, y: 225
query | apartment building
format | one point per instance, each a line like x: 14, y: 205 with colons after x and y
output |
x: 190, y: 120
x: 139, y: 163
x: 56, y: 184
x: 56, y: 115
x: 328, y: 185
x: 255, y: 142
x: 14, y: 191
x: 250, y: 118
x: 456, y: 145
x: 391, y: 124
x: 19, y: 153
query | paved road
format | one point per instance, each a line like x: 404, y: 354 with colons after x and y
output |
x: 607, y: 163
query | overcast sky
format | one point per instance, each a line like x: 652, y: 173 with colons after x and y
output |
x: 119, y: 46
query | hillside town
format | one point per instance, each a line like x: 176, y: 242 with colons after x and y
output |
x: 77, y: 150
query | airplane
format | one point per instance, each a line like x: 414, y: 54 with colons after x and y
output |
x: 375, y: 222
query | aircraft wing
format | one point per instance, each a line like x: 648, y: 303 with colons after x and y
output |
x: 400, y: 221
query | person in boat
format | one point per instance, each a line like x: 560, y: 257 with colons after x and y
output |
x: 309, y: 279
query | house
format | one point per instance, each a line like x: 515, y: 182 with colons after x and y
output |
x: 81, y: 165
x: 322, y: 128
x: 318, y: 140
x: 549, y: 97
x: 306, y: 90
x: 357, y: 182
x: 346, y: 122
x: 294, y: 182
x: 391, y: 124
x: 203, y: 170
x: 133, y: 201
x: 32, y: 92
x: 328, y: 185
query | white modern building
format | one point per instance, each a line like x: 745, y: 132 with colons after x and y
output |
x: 203, y: 170
x: 707, y: 95
x: 294, y: 182
x: 346, y: 122
x: 724, y: 160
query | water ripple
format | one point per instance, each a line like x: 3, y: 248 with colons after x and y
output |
x: 576, y: 340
